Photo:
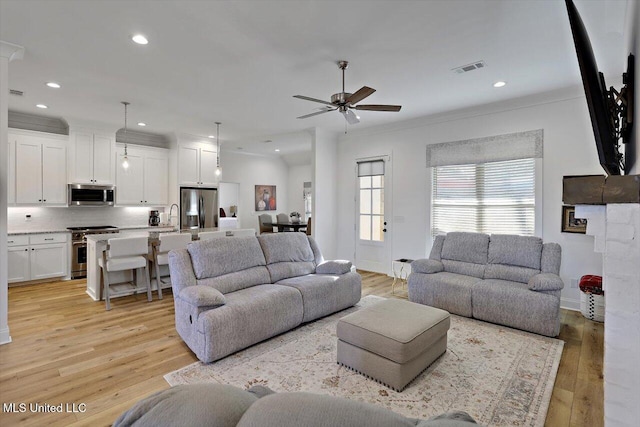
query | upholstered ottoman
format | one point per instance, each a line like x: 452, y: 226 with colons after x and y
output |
x: 392, y: 341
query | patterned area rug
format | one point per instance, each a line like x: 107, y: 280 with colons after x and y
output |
x: 501, y: 376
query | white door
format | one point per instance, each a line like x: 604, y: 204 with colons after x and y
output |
x: 373, y: 211
x: 28, y: 171
x: 103, y: 155
x: 11, y: 172
x: 18, y: 265
x: 54, y: 174
x: 156, y: 179
x: 188, y: 165
x: 48, y: 261
x: 129, y: 182
x: 208, y: 164
x: 83, y: 158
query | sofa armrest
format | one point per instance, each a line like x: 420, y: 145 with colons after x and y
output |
x: 202, y: 296
x: 427, y: 266
x: 546, y: 282
x: 339, y: 266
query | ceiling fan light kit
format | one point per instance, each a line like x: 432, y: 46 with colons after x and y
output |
x: 344, y: 102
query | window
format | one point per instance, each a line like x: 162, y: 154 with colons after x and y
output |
x: 495, y: 197
x: 371, y: 200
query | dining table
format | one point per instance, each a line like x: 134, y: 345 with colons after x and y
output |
x: 282, y: 226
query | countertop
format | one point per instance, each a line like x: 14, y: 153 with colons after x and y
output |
x: 64, y: 230
x: 147, y: 232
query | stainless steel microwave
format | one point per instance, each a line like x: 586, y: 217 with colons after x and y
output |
x: 91, y: 195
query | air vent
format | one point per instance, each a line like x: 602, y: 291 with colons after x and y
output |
x: 469, y: 67
x: 16, y: 92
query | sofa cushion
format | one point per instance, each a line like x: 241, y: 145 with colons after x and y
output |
x: 323, y: 294
x: 215, y: 257
x: 513, y: 304
x: 339, y: 266
x: 464, y: 268
x: 286, y: 247
x: 522, y: 251
x: 448, y: 291
x: 466, y: 247
x: 428, y: 266
x: 285, y: 270
x: 202, y: 296
x: 546, y: 282
x: 509, y: 272
x: 238, y: 279
x: 249, y: 316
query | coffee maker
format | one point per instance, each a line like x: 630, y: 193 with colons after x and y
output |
x: 154, y: 218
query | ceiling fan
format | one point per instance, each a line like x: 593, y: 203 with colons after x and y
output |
x: 344, y: 101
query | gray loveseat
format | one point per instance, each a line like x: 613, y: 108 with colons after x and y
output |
x: 234, y: 292
x: 218, y: 405
x: 505, y: 279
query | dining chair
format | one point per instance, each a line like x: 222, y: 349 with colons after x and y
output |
x: 208, y: 235
x: 121, y: 254
x: 308, y: 230
x: 168, y: 242
x: 265, y: 219
x: 283, y: 218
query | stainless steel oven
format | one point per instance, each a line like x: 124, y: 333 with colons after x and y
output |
x: 79, y: 247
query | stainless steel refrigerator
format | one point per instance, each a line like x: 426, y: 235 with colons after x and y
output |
x: 198, y: 208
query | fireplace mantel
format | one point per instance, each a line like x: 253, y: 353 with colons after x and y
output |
x: 611, y: 206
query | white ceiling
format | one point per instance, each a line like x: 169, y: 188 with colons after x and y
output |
x: 240, y: 62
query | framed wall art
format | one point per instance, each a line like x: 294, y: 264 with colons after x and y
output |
x: 571, y: 224
x: 266, y: 198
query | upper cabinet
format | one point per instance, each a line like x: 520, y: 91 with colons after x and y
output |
x: 146, y: 181
x: 92, y: 156
x: 39, y: 168
x: 197, y: 164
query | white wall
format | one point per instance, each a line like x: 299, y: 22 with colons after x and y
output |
x: 324, y: 190
x: 569, y: 149
x: 298, y: 175
x: 251, y: 170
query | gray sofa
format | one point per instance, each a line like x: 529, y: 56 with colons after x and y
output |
x: 230, y: 293
x: 505, y: 279
x: 217, y: 405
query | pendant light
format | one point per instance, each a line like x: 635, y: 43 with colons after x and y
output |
x: 125, y: 159
x: 218, y: 168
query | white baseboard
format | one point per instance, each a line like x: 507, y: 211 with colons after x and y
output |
x: 570, y: 304
x: 5, y: 338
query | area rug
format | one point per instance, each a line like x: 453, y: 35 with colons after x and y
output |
x: 501, y: 376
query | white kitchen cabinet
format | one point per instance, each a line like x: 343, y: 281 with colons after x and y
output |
x: 37, y: 256
x: 11, y: 173
x: 18, y: 264
x: 197, y: 164
x: 146, y: 181
x: 40, y: 170
x: 92, y: 157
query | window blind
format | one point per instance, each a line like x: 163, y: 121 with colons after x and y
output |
x: 371, y: 168
x: 495, y: 197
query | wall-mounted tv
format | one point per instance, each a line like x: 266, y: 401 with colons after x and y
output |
x: 605, y: 118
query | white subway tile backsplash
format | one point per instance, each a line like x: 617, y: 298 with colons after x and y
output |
x: 44, y: 219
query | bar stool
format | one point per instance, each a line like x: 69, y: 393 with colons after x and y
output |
x: 168, y: 242
x: 124, y: 253
x: 208, y: 235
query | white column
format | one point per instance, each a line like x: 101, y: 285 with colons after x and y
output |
x: 8, y: 52
x: 324, y: 146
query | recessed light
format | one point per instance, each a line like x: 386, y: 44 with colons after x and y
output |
x: 141, y: 124
x: 41, y: 106
x: 53, y: 85
x: 499, y: 84
x: 211, y: 136
x: 140, y: 39
x: 277, y: 149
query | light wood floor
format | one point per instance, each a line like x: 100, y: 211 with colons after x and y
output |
x: 67, y: 349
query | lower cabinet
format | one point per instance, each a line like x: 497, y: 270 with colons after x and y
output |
x: 37, y: 256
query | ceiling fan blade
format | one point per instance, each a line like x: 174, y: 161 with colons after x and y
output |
x: 351, y: 117
x: 306, y: 98
x: 376, y: 107
x: 361, y: 94
x: 315, y: 114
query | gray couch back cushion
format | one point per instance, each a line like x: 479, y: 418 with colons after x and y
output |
x: 464, y: 268
x: 513, y: 273
x: 522, y: 251
x: 237, y: 280
x: 287, y: 255
x: 466, y: 247
x: 217, y: 257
